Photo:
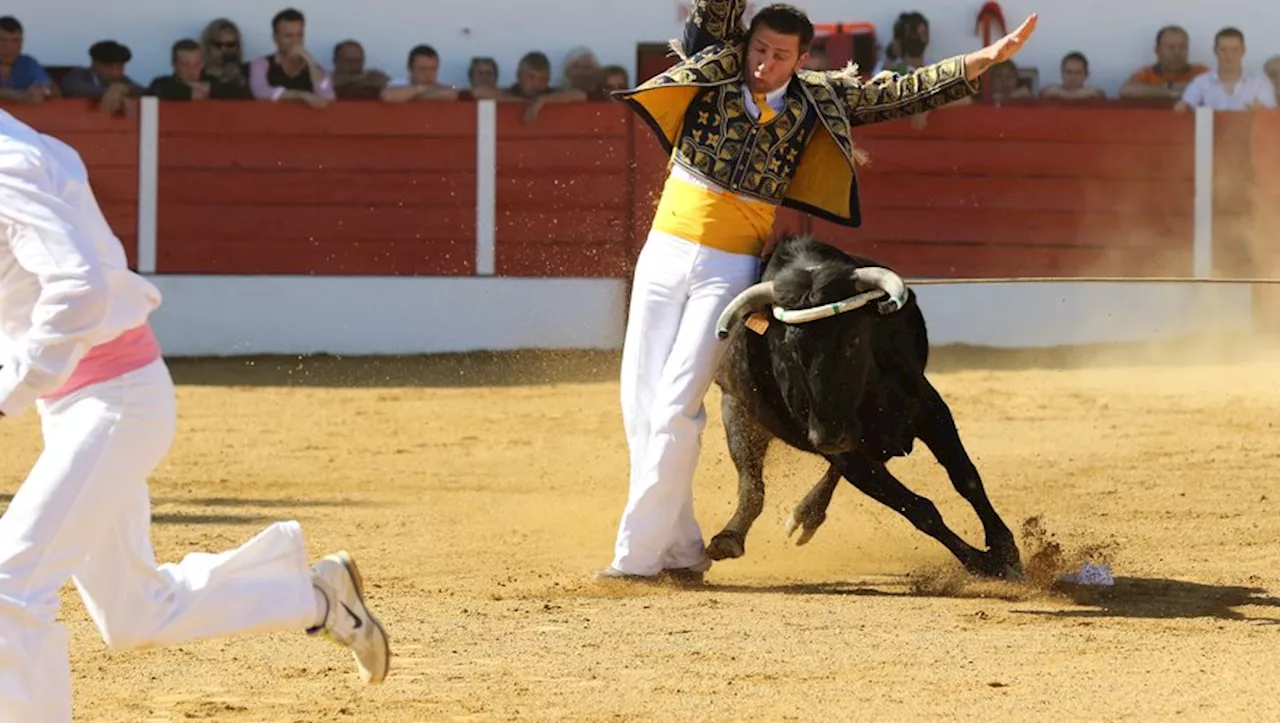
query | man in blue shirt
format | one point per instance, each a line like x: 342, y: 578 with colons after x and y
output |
x: 22, y: 78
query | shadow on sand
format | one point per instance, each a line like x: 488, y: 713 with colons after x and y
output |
x: 219, y: 517
x: 539, y: 367
x: 1130, y: 597
x: 1163, y: 599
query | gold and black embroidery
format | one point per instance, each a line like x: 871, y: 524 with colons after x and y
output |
x: 890, y: 96
x: 720, y: 19
x: 721, y: 142
x: 712, y: 66
x: 805, y: 158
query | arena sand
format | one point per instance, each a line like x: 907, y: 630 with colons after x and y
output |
x: 479, y: 492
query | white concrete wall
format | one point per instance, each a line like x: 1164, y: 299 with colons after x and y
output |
x: 232, y: 316
x: 1052, y: 314
x: 1116, y: 36
x: 238, y: 315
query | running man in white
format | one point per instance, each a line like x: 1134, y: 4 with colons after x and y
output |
x: 76, y: 345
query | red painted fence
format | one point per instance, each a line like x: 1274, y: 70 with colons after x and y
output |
x: 109, y: 147
x: 363, y: 188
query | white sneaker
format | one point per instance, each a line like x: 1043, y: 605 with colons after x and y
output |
x: 349, y: 622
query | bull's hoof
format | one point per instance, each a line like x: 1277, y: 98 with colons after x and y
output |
x: 807, y: 524
x: 727, y: 546
x: 1001, y: 566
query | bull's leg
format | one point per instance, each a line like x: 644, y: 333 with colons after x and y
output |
x: 938, y: 431
x: 812, y: 510
x: 748, y: 443
x: 874, y: 479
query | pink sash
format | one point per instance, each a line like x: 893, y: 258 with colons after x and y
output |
x: 128, y: 352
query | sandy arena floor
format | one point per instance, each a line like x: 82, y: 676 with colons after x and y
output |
x: 478, y: 494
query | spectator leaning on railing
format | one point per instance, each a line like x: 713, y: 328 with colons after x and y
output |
x: 1230, y: 87
x: 291, y: 73
x: 105, y: 78
x: 189, y: 81
x: 1170, y: 74
x: 22, y: 78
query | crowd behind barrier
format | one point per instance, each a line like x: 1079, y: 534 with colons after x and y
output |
x: 248, y: 188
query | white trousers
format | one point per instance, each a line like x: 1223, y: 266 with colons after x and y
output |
x: 84, y: 512
x: 669, y: 360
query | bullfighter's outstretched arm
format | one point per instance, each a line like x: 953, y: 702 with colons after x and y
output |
x: 713, y: 21
x: 889, y: 95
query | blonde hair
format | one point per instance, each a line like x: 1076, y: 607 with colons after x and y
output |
x: 211, y: 33
x: 575, y: 54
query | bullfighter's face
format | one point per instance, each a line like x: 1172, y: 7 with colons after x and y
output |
x: 771, y: 59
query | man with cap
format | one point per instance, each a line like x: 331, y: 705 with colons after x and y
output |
x: 104, y: 78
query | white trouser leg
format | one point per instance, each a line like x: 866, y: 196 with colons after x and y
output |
x: 658, y: 294
x: 658, y: 528
x: 83, y: 513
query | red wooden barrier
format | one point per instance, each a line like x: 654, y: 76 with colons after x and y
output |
x: 1233, y: 203
x: 1264, y: 244
x: 563, y: 191
x: 363, y: 188
x: 1032, y: 191
x: 109, y: 147
x: 358, y: 188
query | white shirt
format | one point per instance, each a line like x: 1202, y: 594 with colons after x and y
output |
x: 65, y: 285
x: 1207, y: 90
x: 775, y: 98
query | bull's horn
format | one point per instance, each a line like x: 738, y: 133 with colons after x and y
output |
x: 751, y: 298
x: 887, y: 281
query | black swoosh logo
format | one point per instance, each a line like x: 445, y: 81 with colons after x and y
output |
x: 354, y: 618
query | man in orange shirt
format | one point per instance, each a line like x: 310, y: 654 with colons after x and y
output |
x: 1168, y: 78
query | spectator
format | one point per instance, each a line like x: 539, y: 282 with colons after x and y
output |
x: 189, y: 81
x: 482, y: 75
x: 291, y: 73
x: 910, y: 41
x: 22, y: 78
x: 224, y: 57
x: 423, y: 81
x: 582, y: 74
x: 350, y: 79
x: 1004, y: 84
x: 582, y: 82
x: 105, y: 78
x: 1230, y: 87
x: 1271, y: 69
x: 1169, y: 77
x: 615, y: 78
x: 1075, y: 71
x: 533, y: 77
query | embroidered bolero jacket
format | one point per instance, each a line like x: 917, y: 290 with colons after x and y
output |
x: 805, y: 157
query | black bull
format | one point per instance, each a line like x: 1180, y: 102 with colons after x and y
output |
x: 847, y: 386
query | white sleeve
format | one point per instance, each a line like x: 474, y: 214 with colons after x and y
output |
x: 1193, y: 95
x: 39, y: 231
x: 1267, y: 93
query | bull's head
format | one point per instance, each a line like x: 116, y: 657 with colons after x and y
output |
x: 822, y: 354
